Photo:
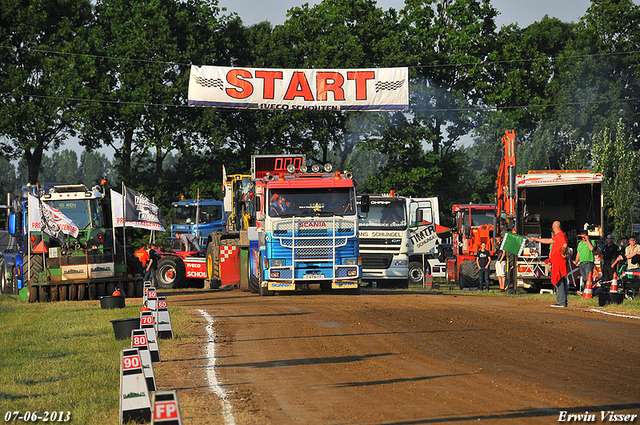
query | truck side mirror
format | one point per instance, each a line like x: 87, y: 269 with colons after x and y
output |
x: 222, y: 192
x: 365, y: 204
x: 419, y: 217
x: 14, y: 224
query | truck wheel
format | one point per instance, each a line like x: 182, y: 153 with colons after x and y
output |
x: 64, y: 292
x: 265, y: 292
x: 14, y: 280
x: 36, y: 268
x: 43, y: 294
x: 5, y: 281
x: 416, y: 274
x: 32, y: 294
x: 171, y: 273
x: 212, y: 262
x: 468, y: 274
x: 82, y: 292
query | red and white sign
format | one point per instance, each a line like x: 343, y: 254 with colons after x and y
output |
x: 165, y: 410
x: 227, y: 252
x: 131, y: 362
x: 375, y: 89
x: 196, y: 269
x: 139, y: 341
x: 146, y: 320
x: 162, y: 304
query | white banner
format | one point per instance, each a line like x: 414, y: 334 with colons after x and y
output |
x: 141, y: 213
x: 375, y: 89
x: 55, y: 219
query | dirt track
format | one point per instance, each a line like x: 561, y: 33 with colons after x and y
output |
x: 402, y: 358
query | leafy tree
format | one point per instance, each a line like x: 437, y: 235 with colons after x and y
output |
x: 61, y: 167
x: 143, y: 85
x: 94, y: 166
x: 614, y: 157
x: 39, y: 75
x: 7, y: 176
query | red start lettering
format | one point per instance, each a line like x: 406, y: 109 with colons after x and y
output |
x: 313, y: 224
x: 298, y: 86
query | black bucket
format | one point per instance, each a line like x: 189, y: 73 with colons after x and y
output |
x: 616, y: 297
x: 603, y: 298
x: 109, y: 301
x: 123, y: 327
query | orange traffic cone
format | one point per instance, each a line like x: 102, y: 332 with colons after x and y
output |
x: 614, y: 283
x: 588, y: 289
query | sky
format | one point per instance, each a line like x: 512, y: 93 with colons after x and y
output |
x: 524, y: 12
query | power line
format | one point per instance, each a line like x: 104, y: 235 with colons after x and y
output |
x: 415, y: 108
x: 435, y: 66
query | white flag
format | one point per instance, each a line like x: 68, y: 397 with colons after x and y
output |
x: 35, y: 220
x: 55, y: 220
x: 117, y: 216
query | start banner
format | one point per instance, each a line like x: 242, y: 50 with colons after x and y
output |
x: 375, y: 89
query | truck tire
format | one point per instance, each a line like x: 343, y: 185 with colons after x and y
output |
x: 264, y: 292
x: 36, y: 268
x: 416, y: 273
x: 6, y: 282
x: 171, y: 273
x: 82, y: 292
x: 213, y: 268
x: 32, y: 294
x: 468, y: 274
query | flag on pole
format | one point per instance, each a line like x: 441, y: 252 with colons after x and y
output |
x: 138, y: 212
x: 513, y: 243
x: 43, y: 217
x: 224, y: 175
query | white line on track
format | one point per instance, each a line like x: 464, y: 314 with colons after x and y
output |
x: 214, y: 385
x: 614, y: 314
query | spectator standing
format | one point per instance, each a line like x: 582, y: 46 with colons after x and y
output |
x: 483, y: 260
x: 142, y: 255
x: 501, y: 265
x: 188, y: 240
x: 558, y: 259
x: 585, y: 257
x: 152, y: 265
x: 608, y: 254
x: 632, y: 254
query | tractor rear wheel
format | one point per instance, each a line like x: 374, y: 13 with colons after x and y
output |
x: 171, y: 273
x: 468, y: 274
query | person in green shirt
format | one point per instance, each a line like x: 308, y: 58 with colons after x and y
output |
x: 585, y: 257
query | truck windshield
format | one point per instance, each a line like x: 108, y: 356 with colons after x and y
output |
x: 187, y: 215
x: 384, y: 214
x: 478, y: 217
x: 84, y: 213
x: 311, y: 202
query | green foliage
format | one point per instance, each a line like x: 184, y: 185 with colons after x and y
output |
x: 614, y: 157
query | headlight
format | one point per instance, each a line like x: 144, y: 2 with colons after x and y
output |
x: 275, y: 274
x: 352, y: 273
x: 400, y: 263
x: 276, y: 263
x: 350, y: 262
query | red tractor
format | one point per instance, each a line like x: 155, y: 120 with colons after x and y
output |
x: 474, y: 224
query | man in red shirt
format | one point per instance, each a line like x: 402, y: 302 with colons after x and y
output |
x: 558, y: 258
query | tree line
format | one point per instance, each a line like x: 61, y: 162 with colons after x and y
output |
x: 115, y: 73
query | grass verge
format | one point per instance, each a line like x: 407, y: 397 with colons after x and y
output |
x: 63, y: 357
